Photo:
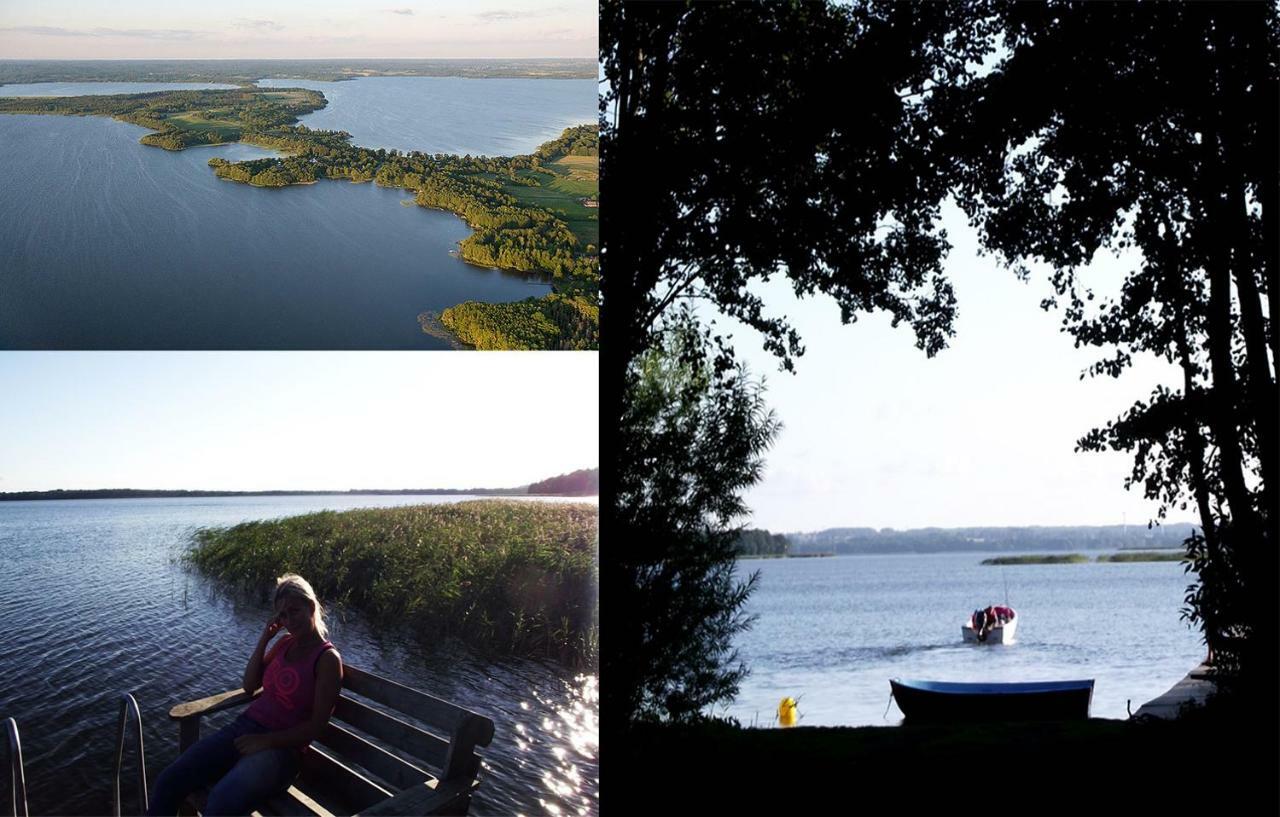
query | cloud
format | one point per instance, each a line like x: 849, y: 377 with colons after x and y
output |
x: 400, y: 11
x: 261, y: 25
x: 49, y: 31
x: 502, y: 15
x: 145, y: 33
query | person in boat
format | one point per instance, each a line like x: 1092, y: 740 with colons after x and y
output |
x: 259, y: 753
x: 1003, y: 614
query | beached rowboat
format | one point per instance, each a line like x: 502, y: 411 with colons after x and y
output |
x: 925, y: 701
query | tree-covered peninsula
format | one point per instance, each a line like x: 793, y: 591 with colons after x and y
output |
x: 534, y: 213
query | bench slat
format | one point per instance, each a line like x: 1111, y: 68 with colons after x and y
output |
x: 426, y: 708
x: 293, y: 803
x: 324, y: 773
x: 425, y: 746
x: 356, y: 749
x: 445, y: 798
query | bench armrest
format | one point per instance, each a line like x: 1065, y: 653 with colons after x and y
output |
x: 214, y: 703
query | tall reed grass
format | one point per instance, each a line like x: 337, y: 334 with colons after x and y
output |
x: 507, y: 576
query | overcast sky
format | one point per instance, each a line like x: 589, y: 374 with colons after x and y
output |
x: 294, y: 420
x: 878, y: 435
x: 293, y: 29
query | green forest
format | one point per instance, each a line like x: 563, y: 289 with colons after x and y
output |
x: 533, y: 213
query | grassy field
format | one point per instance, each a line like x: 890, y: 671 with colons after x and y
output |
x: 562, y: 193
x: 508, y: 576
x: 200, y: 121
x: 285, y: 97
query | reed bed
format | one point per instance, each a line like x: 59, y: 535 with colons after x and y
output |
x: 1039, y: 559
x: 1144, y: 556
x: 507, y: 576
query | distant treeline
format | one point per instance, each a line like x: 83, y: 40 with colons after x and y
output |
x: 585, y: 482
x: 246, y: 71
x: 756, y: 542
x: 136, y: 493
x: 578, y: 483
x: 990, y: 540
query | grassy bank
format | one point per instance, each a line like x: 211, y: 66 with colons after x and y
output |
x: 1105, y: 765
x: 1040, y: 559
x: 504, y: 575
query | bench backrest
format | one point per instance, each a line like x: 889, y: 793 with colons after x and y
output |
x: 385, y: 737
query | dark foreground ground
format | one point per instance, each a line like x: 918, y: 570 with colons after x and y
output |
x: 1104, y: 766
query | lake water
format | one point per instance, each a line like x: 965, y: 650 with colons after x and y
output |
x: 109, y: 244
x: 105, y: 88
x: 833, y: 631
x: 92, y: 606
x: 481, y: 117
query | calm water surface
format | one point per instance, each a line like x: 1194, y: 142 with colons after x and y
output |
x: 833, y: 631
x: 109, y: 244
x: 480, y: 117
x: 105, y: 88
x: 92, y: 606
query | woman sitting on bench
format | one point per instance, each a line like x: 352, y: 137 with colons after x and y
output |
x: 259, y: 753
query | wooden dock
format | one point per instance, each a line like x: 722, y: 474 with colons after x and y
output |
x: 1192, y: 690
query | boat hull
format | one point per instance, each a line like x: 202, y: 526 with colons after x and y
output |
x: 998, y: 635
x: 940, y: 701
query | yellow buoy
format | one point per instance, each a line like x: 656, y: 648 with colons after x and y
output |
x: 787, y: 712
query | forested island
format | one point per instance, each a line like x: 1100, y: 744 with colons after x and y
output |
x: 756, y: 543
x: 534, y: 213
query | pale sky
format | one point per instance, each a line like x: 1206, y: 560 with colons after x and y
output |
x: 296, y: 420
x: 878, y: 435
x: 293, y: 29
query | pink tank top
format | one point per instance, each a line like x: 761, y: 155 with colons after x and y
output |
x: 288, y: 687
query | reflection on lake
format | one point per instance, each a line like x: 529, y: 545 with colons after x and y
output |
x: 94, y: 606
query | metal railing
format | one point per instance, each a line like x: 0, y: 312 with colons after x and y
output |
x: 127, y: 704
x: 17, y: 779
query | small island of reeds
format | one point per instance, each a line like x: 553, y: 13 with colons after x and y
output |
x: 1038, y: 559
x: 505, y: 575
x: 1143, y: 556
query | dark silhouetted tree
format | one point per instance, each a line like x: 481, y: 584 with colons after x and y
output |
x: 1108, y: 126
x: 691, y: 441
x: 742, y: 141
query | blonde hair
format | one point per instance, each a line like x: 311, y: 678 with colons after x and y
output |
x: 292, y: 583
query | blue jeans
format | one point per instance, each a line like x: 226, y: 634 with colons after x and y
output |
x: 240, y: 782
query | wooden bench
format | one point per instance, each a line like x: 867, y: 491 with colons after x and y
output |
x: 370, y: 760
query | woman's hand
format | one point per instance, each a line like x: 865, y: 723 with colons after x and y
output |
x: 275, y: 625
x: 248, y: 744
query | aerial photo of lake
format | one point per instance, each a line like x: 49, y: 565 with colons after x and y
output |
x: 832, y: 631
x: 110, y: 244
x: 95, y: 606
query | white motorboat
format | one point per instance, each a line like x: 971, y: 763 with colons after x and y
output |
x: 1000, y: 632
